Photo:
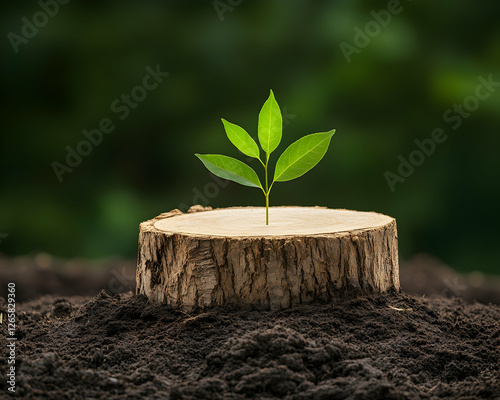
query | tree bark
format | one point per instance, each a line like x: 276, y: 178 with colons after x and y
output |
x: 229, y: 257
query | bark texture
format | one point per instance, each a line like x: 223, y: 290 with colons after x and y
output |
x: 198, y: 271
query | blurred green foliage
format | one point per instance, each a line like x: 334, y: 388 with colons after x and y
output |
x: 394, y: 91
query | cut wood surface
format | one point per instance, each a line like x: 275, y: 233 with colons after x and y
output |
x: 230, y: 257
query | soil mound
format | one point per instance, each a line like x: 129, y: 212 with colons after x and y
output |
x: 391, y: 346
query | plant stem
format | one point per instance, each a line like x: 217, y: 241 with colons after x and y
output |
x: 267, y: 190
x: 267, y: 209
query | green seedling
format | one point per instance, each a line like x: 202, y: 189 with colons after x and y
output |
x: 300, y: 157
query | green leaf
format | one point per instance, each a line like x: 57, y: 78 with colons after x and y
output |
x: 270, y: 125
x: 231, y: 169
x: 241, y: 139
x: 302, y: 155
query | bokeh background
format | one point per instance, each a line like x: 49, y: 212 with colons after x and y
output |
x: 223, y: 57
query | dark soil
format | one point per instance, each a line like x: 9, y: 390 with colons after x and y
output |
x: 391, y: 346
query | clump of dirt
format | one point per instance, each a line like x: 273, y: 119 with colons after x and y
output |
x: 391, y: 346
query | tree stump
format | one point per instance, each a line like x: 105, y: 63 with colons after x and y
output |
x: 230, y: 257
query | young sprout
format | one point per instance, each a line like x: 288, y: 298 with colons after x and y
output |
x: 300, y: 157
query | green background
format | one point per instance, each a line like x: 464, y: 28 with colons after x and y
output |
x: 394, y: 91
